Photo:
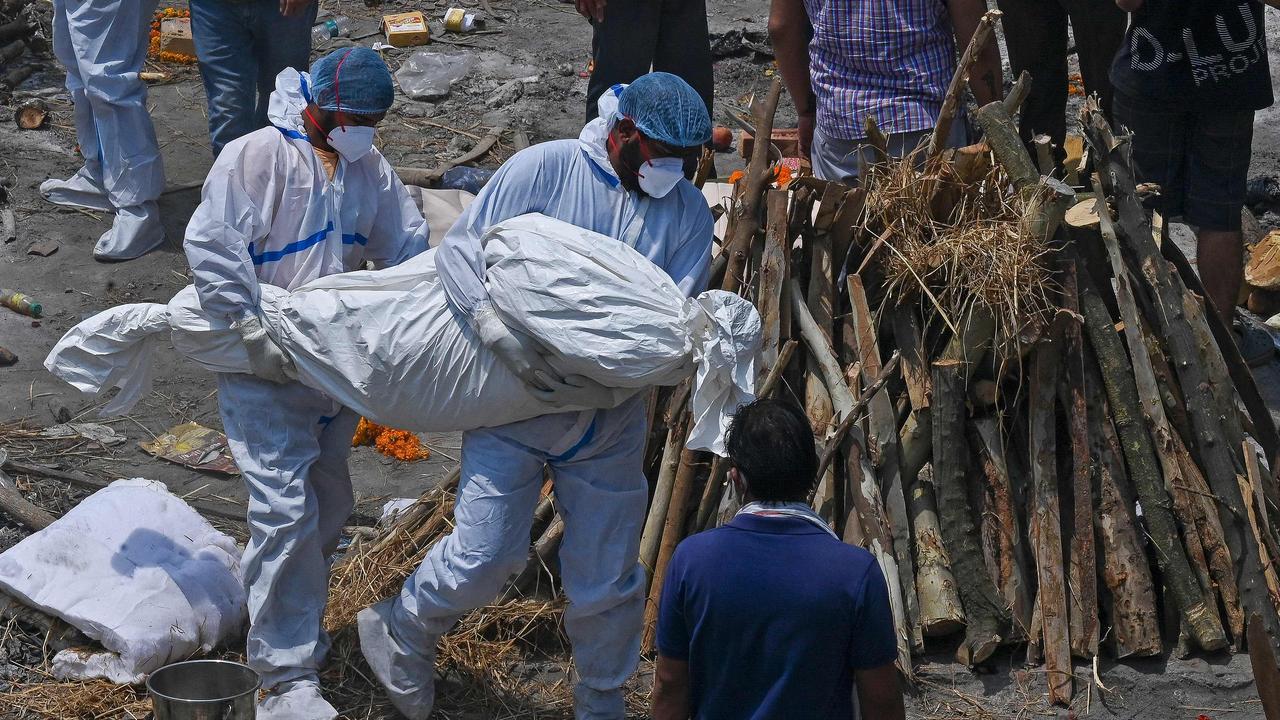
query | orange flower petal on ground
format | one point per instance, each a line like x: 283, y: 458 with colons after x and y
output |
x: 399, y: 444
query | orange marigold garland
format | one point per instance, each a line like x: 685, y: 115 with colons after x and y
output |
x: 164, y: 55
x: 399, y: 444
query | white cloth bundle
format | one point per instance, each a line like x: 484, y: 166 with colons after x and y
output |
x: 386, y: 343
x: 135, y: 568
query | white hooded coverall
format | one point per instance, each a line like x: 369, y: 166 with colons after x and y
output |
x: 596, y: 455
x: 270, y: 214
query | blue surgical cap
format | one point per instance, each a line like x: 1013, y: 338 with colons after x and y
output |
x: 352, y: 80
x: 666, y: 109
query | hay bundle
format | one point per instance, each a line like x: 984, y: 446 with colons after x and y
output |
x: 76, y: 701
x: 956, y: 239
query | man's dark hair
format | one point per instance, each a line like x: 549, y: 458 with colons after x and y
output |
x: 771, y: 444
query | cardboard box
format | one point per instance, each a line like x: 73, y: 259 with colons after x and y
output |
x: 175, y: 36
x: 406, y: 29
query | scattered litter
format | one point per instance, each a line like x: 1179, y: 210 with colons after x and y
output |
x: 399, y: 444
x: 20, y: 303
x: 392, y: 509
x: 43, y: 248
x: 326, y: 30
x: 459, y: 20
x: 406, y: 29
x: 196, y: 447
x: 427, y: 75
x: 738, y: 42
x: 1262, y: 191
x: 32, y: 114
x: 104, y: 435
x: 136, y: 569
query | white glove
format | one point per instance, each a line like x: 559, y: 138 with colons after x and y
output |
x: 576, y: 391
x: 519, y: 352
x: 266, y: 359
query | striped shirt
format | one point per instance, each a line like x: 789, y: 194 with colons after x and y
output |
x: 891, y: 59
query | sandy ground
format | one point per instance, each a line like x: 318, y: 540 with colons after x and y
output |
x: 527, y: 77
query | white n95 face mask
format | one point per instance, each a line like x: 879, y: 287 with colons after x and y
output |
x: 657, y: 177
x: 352, y: 142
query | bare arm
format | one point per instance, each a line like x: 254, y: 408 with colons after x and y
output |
x: 986, y: 80
x: 879, y: 693
x: 790, y: 31
x: 670, y: 699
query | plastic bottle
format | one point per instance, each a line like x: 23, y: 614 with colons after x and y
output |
x: 20, y: 303
x: 330, y: 28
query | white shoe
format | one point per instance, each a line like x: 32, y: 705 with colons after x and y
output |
x: 135, y: 232
x: 298, y: 700
x: 408, y: 677
x: 79, y: 190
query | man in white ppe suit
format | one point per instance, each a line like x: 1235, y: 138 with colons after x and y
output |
x: 307, y: 197
x: 102, y: 44
x: 623, y: 178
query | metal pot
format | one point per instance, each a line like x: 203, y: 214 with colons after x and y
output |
x: 204, y: 690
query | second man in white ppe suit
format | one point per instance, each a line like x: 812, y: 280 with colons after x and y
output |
x: 102, y: 44
x: 302, y: 199
x: 623, y: 178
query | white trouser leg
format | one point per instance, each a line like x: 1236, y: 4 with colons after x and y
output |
x: 602, y: 494
x: 109, y: 41
x: 277, y: 434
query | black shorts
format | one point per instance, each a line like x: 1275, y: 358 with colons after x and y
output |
x: 1200, y: 160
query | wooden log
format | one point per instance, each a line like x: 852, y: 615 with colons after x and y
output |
x: 1135, y: 625
x: 13, y: 504
x: 746, y: 209
x: 834, y: 443
x: 941, y: 613
x: 882, y: 425
x: 967, y: 347
x: 820, y: 350
x: 1047, y: 539
x: 16, y: 77
x: 1191, y: 493
x: 1013, y: 572
x: 672, y: 533
x: 1018, y: 94
x: 1140, y: 457
x: 915, y: 369
x: 773, y: 273
x: 222, y: 511
x: 866, y: 520
x: 1083, y: 569
x: 985, y: 613
x: 818, y: 404
x: 1256, y: 516
x: 677, y: 421
x: 1266, y: 674
x: 1002, y: 136
x: 15, y: 29
x: 951, y: 101
x: 1162, y: 434
x: 1218, y: 461
x: 1264, y: 427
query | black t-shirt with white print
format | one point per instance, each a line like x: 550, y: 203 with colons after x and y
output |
x: 1210, y: 52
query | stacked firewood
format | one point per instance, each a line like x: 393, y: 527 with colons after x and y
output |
x: 19, y: 33
x: 1038, y: 427
x: 1025, y: 408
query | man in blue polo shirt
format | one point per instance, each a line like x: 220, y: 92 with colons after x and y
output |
x: 772, y: 616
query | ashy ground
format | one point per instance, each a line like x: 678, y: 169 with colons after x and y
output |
x: 530, y: 77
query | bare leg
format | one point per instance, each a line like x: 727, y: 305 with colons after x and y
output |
x: 1220, y: 256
